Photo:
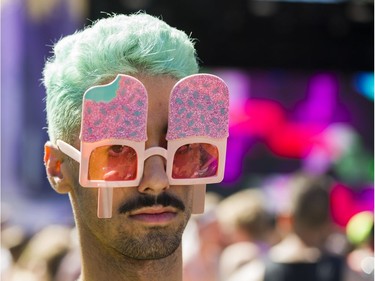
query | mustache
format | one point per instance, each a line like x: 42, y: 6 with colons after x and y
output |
x: 147, y: 200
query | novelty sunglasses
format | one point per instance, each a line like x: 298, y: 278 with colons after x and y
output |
x: 114, y: 133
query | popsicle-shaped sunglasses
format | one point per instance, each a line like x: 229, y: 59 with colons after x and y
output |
x: 114, y: 133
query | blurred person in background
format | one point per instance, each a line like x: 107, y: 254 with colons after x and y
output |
x: 132, y: 232
x: 248, y: 229
x: 69, y: 268
x: 205, y: 243
x: 306, y: 223
x: 360, y: 259
x: 40, y: 258
x: 44, y: 252
x: 14, y: 239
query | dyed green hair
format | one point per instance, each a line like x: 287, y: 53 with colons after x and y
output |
x: 137, y: 43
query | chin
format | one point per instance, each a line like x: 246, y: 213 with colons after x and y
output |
x: 156, y: 244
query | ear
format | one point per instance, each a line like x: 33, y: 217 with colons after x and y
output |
x: 56, y: 169
x: 199, y: 196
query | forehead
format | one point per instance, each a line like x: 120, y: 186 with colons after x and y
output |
x: 159, y: 90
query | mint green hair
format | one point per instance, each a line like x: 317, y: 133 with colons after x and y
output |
x: 137, y: 43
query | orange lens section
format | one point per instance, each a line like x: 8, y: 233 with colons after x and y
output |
x: 195, y: 160
x: 113, y: 163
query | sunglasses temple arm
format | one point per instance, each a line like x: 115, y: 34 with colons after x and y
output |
x: 69, y: 150
x: 105, y: 196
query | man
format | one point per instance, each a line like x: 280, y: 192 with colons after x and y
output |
x: 130, y: 135
x: 306, y: 222
x: 247, y: 226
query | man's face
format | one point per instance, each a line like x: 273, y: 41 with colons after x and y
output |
x: 148, y: 220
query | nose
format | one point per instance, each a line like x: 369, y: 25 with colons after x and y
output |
x: 155, y: 179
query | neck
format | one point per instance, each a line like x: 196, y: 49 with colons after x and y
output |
x: 100, y: 263
x: 292, y: 249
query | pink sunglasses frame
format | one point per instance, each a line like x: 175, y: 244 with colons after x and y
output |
x: 83, y: 157
x: 106, y: 187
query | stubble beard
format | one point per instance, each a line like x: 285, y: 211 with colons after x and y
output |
x: 156, y: 244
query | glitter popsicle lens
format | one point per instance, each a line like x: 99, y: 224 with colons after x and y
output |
x: 113, y: 163
x: 196, y: 160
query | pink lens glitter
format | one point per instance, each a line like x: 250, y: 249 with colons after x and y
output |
x: 199, y: 106
x: 196, y: 160
x: 113, y: 163
x: 115, y: 111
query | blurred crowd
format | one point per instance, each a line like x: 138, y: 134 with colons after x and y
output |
x: 278, y: 230
x: 282, y: 231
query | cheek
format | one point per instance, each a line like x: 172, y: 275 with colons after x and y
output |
x: 85, y: 203
x: 84, y: 200
x: 186, y: 195
x: 122, y: 195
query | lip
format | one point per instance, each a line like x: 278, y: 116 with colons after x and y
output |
x: 154, y: 215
